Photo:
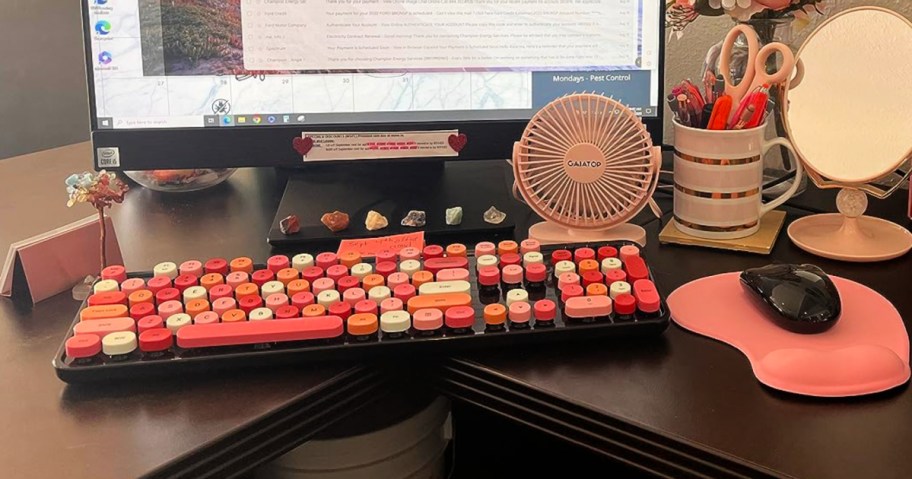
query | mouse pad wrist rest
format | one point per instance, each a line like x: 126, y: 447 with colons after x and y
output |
x: 866, y: 352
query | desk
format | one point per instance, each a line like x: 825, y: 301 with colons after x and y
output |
x: 680, y: 405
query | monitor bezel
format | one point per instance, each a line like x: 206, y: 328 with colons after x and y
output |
x: 271, y: 146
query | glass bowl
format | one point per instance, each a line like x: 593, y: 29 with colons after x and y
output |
x: 180, y: 180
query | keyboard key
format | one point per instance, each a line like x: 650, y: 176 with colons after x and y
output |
x: 618, y: 288
x: 83, y: 346
x: 150, y: 322
x: 216, y: 265
x: 178, y: 321
x: 395, y: 322
x: 441, y: 302
x: 103, y: 327
x: 106, y: 311
x: 119, y: 344
x: 444, y: 287
x: 648, y: 300
x: 109, y: 297
x: 434, y: 265
x: 155, y: 340
x: 257, y: 332
x: 586, y: 307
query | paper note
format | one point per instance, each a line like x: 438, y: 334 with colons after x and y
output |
x: 366, y: 145
x: 369, y: 247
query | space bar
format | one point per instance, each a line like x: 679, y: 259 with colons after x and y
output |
x: 257, y: 332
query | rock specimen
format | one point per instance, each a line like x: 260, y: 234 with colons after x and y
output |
x: 290, y: 225
x: 415, y: 219
x: 336, y: 221
x: 494, y: 216
x: 454, y: 215
x: 375, y: 221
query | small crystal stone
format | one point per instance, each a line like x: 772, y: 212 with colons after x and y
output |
x: 494, y: 216
x: 415, y: 219
x: 290, y: 225
x: 454, y: 215
x: 375, y: 221
x: 335, y: 221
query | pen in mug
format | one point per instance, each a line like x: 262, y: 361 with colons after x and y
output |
x: 709, y: 87
x: 683, y: 114
x: 745, y: 117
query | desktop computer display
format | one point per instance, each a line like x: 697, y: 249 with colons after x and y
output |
x: 225, y: 83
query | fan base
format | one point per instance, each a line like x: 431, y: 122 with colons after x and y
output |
x: 549, y: 233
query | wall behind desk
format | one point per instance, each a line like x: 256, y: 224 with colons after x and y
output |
x: 684, y: 57
x: 42, y: 74
x: 42, y: 78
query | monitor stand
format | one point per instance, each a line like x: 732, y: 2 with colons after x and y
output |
x: 393, y: 188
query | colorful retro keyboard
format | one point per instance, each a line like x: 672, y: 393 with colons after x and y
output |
x: 220, y: 313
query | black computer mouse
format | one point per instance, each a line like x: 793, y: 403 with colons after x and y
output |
x: 799, y: 298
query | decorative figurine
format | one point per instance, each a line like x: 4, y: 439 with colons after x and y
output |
x: 290, y: 225
x: 494, y: 216
x: 336, y: 221
x: 454, y: 215
x: 415, y: 219
x: 375, y: 221
x: 101, y: 190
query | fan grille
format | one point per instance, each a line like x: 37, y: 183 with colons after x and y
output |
x: 585, y: 162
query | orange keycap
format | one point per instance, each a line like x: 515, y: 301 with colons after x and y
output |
x: 362, y: 324
x: 495, y: 314
x: 442, y: 302
x: 141, y: 296
x: 588, y: 265
x: 421, y: 277
x: 297, y: 286
x: 287, y: 275
x: 106, y: 311
x: 242, y: 264
x: 313, y: 310
x: 596, y: 289
x: 456, y: 249
x: 196, y: 306
x: 246, y: 289
x: 211, y: 279
x: 507, y: 246
x: 350, y: 258
x: 234, y: 316
x: 372, y: 281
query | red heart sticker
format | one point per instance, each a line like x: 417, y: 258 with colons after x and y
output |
x: 458, y: 142
x: 303, y: 145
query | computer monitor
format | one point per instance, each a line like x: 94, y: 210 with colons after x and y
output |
x: 229, y: 83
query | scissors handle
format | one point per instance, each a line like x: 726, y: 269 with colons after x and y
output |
x: 737, y: 92
x: 784, y: 71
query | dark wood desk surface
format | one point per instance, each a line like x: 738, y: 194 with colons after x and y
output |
x: 187, y: 426
x: 679, y: 405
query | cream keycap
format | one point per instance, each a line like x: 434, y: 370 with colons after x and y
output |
x: 195, y: 292
x: 123, y: 342
x: 410, y: 266
x: 361, y: 270
x: 260, y: 314
x: 301, y: 261
x: 533, y: 257
x: 486, y: 260
x: 166, y: 268
x: 443, y: 287
x: 177, y: 321
x: 378, y: 293
x: 328, y: 298
x: 618, y: 288
x: 517, y: 295
x: 395, y: 322
x: 610, y: 264
x: 564, y: 267
x: 270, y: 288
x: 106, y: 286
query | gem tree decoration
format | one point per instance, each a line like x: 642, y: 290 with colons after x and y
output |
x: 101, y: 190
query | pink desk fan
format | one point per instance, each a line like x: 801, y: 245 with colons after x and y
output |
x: 586, y: 165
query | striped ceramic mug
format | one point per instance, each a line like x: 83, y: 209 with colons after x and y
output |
x: 719, y: 181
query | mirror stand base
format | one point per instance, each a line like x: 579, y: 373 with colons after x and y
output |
x: 862, y: 239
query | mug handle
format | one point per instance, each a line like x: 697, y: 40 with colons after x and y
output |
x: 799, y: 173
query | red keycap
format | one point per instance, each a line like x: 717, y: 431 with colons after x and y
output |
x: 325, y: 260
x: 312, y: 273
x: 249, y: 303
x: 434, y: 265
x: 366, y: 306
x: 607, y: 252
x: 256, y: 332
x: 141, y: 310
x: 347, y: 282
x: 158, y: 283
x: 460, y: 317
x: 571, y: 291
x: 185, y: 281
x: 150, y: 322
x: 614, y: 276
x: 337, y: 272
x: 220, y: 291
x: 592, y: 277
x: 489, y: 276
x: 287, y: 312
x: 545, y: 310
x: 302, y: 299
x: 432, y: 251
x: 385, y: 256
x: 262, y: 276
x: 583, y: 254
x: 636, y: 269
x: 536, y: 273
x: 625, y: 304
x: 386, y: 268
x: 277, y: 263
x: 510, y: 259
x: 217, y: 265
x: 167, y: 294
x: 404, y: 292
x: 115, y: 272
x: 340, y: 309
x: 109, y: 297
x: 560, y: 255
x: 154, y: 340
x: 648, y: 300
x: 83, y: 346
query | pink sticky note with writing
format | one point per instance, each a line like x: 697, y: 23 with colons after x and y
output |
x: 54, y: 262
x: 369, y: 247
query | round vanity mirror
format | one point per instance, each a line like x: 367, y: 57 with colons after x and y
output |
x: 850, y: 119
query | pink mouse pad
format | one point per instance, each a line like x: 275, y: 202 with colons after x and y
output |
x: 866, y: 352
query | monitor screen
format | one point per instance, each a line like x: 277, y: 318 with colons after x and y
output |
x: 190, y: 64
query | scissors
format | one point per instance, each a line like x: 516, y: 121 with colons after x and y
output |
x: 755, y: 74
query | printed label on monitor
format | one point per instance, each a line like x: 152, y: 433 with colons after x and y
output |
x: 372, y: 145
x: 108, y: 157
